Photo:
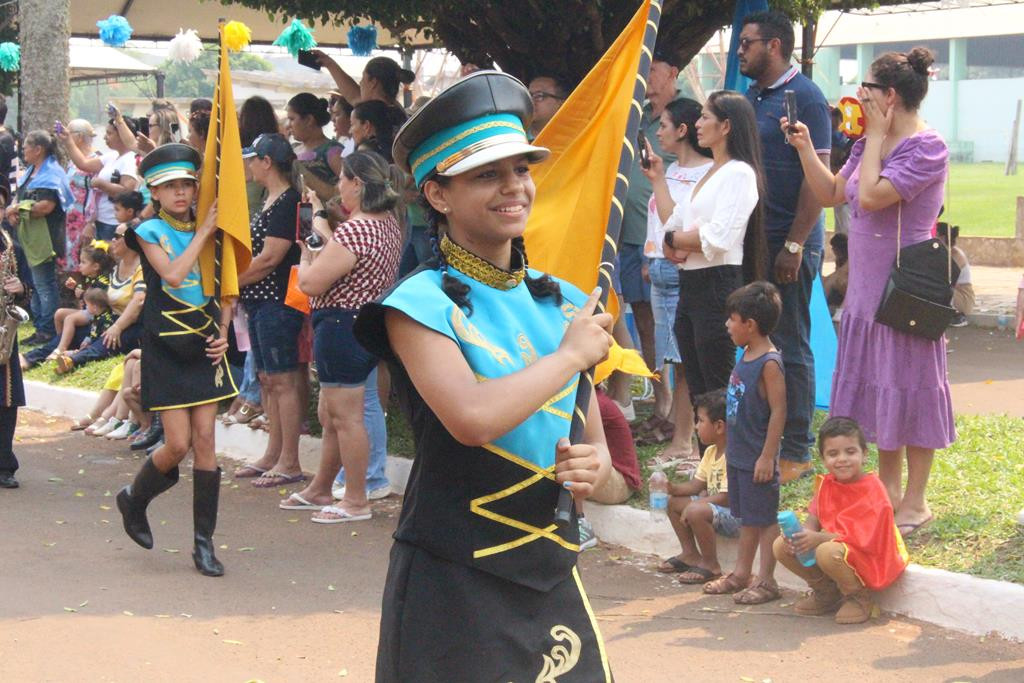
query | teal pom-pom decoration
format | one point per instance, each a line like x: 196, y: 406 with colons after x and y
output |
x: 10, y: 56
x: 115, y: 30
x: 296, y: 37
x: 362, y: 40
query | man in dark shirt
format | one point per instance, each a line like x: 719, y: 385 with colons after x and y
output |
x: 794, y: 222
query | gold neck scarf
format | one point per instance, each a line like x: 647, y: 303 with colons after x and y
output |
x: 180, y: 226
x: 482, y: 271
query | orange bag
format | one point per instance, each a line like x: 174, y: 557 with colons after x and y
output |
x: 294, y: 297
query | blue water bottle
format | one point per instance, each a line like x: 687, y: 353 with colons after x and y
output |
x: 790, y: 526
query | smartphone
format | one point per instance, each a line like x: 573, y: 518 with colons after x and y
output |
x: 304, y: 221
x: 58, y: 128
x: 111, y: 110
x: 641, y: 145
x: 791, y: 111
x: 142, y: 125
x: 308, y: 59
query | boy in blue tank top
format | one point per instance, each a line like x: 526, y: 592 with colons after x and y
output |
x: 755, y: 418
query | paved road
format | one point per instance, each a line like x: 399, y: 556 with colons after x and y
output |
x: 300, y: 601
x: 986, y: 371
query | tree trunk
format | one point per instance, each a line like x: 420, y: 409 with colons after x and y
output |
x: 44, y: 86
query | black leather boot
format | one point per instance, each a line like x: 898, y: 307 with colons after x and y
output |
x: 206, y: 493
x: 133, y: 499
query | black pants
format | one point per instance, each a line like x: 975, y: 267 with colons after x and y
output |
x: 8, y: 421
x: 708, y: 353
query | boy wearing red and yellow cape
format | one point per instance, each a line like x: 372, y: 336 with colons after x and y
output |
x: 850, y: 529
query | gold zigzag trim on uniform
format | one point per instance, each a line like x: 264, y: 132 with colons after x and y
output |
x: 593, y: 625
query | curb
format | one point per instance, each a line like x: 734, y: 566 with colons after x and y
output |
x: 947, y: 599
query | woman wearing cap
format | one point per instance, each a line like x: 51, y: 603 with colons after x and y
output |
x: 185, y: 338
x: 274, y: 326
x: 486, y: 356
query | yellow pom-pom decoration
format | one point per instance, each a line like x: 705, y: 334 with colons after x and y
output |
x: 236, y: 35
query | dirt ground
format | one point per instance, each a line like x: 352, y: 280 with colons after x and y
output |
x: 300, y: 601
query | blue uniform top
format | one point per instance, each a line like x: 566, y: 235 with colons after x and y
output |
x: 174, y: 242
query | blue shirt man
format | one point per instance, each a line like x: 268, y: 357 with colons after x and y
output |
x: 794, y: 223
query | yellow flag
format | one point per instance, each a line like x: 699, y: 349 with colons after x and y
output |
x: 223, y: 179
x: 566, y: 229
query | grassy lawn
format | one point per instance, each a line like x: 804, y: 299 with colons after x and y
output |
x: 981, y: 200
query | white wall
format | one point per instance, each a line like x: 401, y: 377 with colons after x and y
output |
x: 986, y: 110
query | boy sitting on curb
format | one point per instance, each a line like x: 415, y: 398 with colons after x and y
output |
x: 700, y: 507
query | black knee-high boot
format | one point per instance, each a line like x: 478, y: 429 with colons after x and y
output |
x: 206, y: 493
x: 133, y: 499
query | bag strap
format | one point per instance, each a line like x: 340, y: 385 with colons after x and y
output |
x: 899, y: 231
x: 949, y: 253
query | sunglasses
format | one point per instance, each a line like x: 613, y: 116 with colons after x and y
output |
x: 747, y: 42
x: 877, y: 86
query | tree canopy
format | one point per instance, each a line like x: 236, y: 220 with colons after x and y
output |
x: 188, y: 80
x: 526, y: 37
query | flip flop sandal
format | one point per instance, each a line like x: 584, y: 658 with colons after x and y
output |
x: 914, y: 528
x: 297, y: 502
x: 271, y: 479
x: 81, y: 423
x: 757, y: 594
x: 674, y: 566
x: 248, y: 472
x: 341, y: 517
x: 724, y: 585
x: 698, y: 575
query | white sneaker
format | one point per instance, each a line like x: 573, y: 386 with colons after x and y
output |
x: 628, y: 411
x: 588, y: 539
x: 126, y: 429
x: 373, y: 494
x: 96, y: 424
x: 109, y: 426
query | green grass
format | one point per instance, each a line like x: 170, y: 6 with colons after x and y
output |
x: 980, y: 199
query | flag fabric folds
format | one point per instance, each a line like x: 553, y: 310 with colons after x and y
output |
x: 223, y: 178
x: 576, y: 184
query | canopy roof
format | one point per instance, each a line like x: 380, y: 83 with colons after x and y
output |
x: 160, y: 20
x: 98, y: 61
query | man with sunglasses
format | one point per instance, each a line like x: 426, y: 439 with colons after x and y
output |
x: 794, y: 221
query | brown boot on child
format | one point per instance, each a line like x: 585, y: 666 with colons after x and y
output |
x: 856, y: 609
x: 823, y: 598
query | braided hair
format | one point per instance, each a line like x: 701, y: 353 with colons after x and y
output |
x: 458, y: 291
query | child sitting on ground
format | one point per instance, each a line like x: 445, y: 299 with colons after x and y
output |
x: 851, y: 530
x: 755, y: 416
x: 95, y: 265
x: 100, y: 319
x: 699, y: 508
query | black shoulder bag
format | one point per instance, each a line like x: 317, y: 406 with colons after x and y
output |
x: 920, y: 289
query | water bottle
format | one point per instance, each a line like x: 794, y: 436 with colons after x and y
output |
x: 790, y: 525
x: 658, y: 487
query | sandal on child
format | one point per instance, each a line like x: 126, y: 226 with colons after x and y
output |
x: 725, y: 585
x: 65, y: 364
x: 673, y: 565
x: 759, y: 593
x: 697, y: 575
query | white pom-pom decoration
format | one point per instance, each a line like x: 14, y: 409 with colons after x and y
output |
x: 185, y: 47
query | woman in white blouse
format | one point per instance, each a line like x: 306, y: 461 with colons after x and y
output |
x: 672, y: 187
x: 718, y: 238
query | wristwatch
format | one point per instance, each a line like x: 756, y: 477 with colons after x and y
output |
x: 320, y: 214
x: 793, y: 247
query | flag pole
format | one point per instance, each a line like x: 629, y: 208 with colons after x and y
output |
x: 218, y: 240
x: 563, y: 511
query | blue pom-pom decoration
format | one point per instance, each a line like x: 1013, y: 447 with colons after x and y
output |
x: 10, y: 56
x: 362, y: 40
x: 115, y: 30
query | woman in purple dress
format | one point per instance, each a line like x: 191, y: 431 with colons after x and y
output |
x: 894, y: 384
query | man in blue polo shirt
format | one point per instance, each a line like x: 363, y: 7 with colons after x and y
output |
x: 794, y: 222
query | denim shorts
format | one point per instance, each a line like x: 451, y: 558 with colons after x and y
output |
x: 664, y: 297
x: 341, y: 361
x: 273, y: 336
x: 631, y: 277
x: 722, y: 520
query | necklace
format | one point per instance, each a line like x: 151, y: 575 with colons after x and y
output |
x: 483, y: 271
x: 180, y: 226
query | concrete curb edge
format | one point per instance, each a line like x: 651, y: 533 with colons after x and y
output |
x: 948, y: 599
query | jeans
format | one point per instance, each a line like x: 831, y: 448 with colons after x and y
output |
x: 45, y: 296
x: 377, y: 429
x: 664, y: 299
x: 105, y: 231
x: 792, y: 336
x: 250, y: 387
x: 97, y: 350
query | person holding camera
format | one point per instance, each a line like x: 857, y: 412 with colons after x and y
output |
x: 116, y: 172
x: 274, y: 326
x: 356, y: 265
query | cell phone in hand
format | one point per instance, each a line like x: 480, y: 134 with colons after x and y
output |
x: 307, y: 59
x: 112, y: 111
x: 304, y: 221
x: 115, y: 177
x: 58, y: 128
x: 791, y: 111
x: 641, y: 145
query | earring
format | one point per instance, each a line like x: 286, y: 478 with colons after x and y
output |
x: 446, y: 209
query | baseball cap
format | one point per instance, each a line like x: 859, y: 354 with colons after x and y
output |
x: 272, y: 145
